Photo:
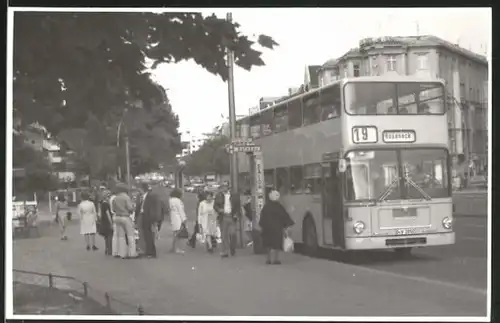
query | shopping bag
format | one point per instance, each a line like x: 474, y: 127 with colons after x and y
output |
x: 218, y: 236
x: 200, y: 237
x: 183, y: 232
x: 287, y: 244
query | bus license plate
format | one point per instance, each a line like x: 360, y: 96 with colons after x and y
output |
x: 402, y: 232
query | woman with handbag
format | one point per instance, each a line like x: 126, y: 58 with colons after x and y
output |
x: 105, y: 224
x: 196, y: 232
x: 207, y: 219
x: 274, y: 221
x: 178, y: 220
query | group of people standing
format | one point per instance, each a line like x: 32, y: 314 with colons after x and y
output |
x: 130, y: 229
x: 223, y: 211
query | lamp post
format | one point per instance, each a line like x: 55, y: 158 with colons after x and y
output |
x: 232, y: 113
x: 127, y: 152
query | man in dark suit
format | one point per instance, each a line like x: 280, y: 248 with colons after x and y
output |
x: 228, y: 206
x: 138, y: 216
x: 151, y: 218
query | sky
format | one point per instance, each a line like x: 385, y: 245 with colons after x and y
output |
x: 307, y: 36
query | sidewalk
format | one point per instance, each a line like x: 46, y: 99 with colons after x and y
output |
x: 198, y: 283
x: 470, y: 203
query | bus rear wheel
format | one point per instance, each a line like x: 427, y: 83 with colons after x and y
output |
x: 310, y: 238
x: 403, y: 253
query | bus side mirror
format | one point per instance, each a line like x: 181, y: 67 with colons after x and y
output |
x: 342, y: 165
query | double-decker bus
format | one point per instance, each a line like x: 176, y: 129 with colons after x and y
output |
x: 362, y: 163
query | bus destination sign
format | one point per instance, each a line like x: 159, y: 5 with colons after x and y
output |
x: 394, y: 136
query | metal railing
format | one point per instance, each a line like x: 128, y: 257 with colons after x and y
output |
x: 72, y: 284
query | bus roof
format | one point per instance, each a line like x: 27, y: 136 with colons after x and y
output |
x: 361, y: 79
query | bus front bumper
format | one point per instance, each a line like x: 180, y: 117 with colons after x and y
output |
x: 390, y: 242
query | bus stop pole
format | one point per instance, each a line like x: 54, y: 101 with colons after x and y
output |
x: 232, y: 125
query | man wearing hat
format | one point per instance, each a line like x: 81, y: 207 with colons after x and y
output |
x: 227, y: 205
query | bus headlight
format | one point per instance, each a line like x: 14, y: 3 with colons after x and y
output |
x: 359, y: 227
x: 447, y: 222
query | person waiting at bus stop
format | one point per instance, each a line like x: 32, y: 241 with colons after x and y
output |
x: 228, y: 207
x: 61, y: 208
x: 123, y: 207
x: 274, y: 220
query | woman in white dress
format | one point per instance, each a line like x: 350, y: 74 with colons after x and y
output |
x: 177, y: 217
x: 88, y: 220
x: 207, y: 218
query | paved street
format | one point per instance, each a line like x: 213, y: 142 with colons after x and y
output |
x: 470, y: 202
x: 449, y: 281
x: 201, y: 284
x: 463, y: 264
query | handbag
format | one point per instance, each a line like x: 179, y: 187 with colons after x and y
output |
x: 183, y: 232
x: 287, y: 244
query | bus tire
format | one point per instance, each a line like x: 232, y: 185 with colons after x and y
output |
x: 403, y: 253
x: 310, y: 237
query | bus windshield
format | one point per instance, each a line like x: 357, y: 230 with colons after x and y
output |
x: 384, y: 98
x: 396, y: 174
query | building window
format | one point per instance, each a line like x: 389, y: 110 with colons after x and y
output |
x: 346, y: 70
x: 336, y: 72
x: 462, y: 92
x: 423, y: 62
x: 391, y: 63
x: 356, y: 70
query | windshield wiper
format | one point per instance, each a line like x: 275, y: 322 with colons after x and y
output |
x: 421, y: 101
x: 418, y: 188
x: 389, y: 189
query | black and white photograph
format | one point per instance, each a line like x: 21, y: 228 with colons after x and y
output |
x: 312, y: 164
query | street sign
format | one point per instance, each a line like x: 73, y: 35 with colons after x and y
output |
x: 242, y: 145
x: 242, y: 142
x: 247, y: 149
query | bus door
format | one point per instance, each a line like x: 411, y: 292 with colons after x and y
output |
x: 331, y: 201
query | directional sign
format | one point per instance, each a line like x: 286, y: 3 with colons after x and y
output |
x: 242, y: 142
x: 247, y: 149
x: 242, y: 145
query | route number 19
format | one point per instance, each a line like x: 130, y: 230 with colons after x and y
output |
x: 362, y: 134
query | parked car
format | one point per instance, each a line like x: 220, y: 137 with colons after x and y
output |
x: 189, y: 189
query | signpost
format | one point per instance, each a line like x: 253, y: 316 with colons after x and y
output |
x: 257, y: 179
x: 242, y: 146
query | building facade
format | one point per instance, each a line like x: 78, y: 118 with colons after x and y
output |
x: 465, y: 74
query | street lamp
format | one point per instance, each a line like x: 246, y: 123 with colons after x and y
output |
x: 232, y: 114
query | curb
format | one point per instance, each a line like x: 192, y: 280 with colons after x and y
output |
x: 459, y: 215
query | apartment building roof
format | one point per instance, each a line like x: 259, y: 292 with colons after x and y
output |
x: 408, y: 41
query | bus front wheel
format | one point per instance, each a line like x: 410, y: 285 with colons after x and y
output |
x: 310, y: 238
x: 403, y: 252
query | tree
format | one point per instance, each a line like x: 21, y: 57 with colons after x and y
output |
x: 39, y: 174
x: 211, y: 157
x: 152, y: 134
x: 68, y: 66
